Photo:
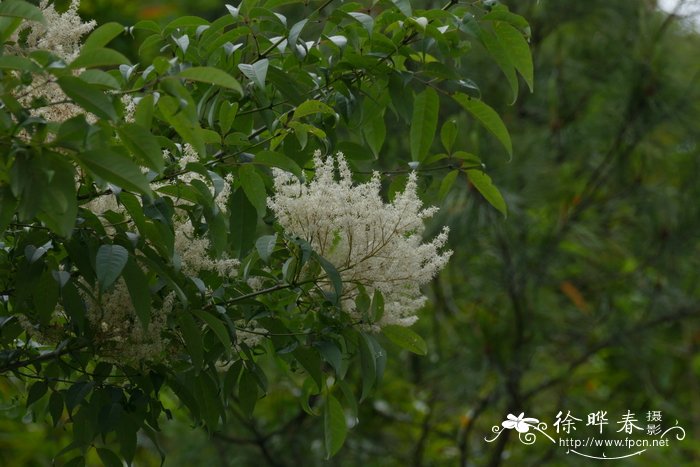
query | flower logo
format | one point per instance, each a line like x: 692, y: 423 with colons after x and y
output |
x: 521, y: 424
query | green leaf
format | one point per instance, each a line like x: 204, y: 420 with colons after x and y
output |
x: 487, y: 117
x: 368, y: 365
x: 518, y: 50
x: 243, y: 221
x: 448, y: 135
x: 331, y: 353
x: 137, y: 284
x: 334, y: 427
x: 405, y: 338
x: 310, y: 107
x: 404, y: 6
x: 102, y: 36
x: 115, y: 168
x: 218, y: 327
x: 374, y: 131
x: 45, y: 301
x: 502, y: 58
x: 56, y: 407
x: 109, y: 263
x: 333, y: 275
x: 36, y: 392
x: 265, y: 246
x: 247, y: 392
x: 192, y: 335
x: 100, y: 78
x: 88, y: 97
x: 211, y: 75
x: 446, y: 183
x: 8, y: 204
x: 311, y: 361
x: 20, y: 9
x: 144, y: 111
x: 227, y: 114
x: 142, y: 144
x: 365, y: 20
x: 59, y: 205
x: 424, y: 123
x: 279, y: 160
x: 376, y: 309
x: 254, y: 188
x: 488, y: 190
x: 15, y: 62
x: 256, y: 72
x: 98, y: 57
x: 109, y: 458
x: 185, y: 125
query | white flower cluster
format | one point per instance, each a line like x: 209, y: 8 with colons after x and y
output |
x: 118, y: 332
x: 192, y: 250
x: 371, y: 243
x: 61, y: 35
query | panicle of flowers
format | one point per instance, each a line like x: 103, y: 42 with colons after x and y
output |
x: 192, y: 249
x: 62, y: 33
x: 62, y: 36
x: 371, y: 243
x: 118, y: 332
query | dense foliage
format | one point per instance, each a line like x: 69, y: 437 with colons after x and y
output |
x: 180, y: 223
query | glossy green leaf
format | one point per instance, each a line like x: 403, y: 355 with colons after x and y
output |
x: 502, y: 58
x: 374, y: 131
x: 335, y: 428
x: 368, y: 366
x: 247, y: 392
x: 448, y: 135
x: 36, y: 391
x: 333, y: 276
x: 98, y: 57
x: 488, y: 190
x: 109, y: 458
x: 56, y: 407
x: 143, y: 144
x: 256, y: 72
x: 88, y: 96
x: 279, y: 160
x: 193, y: 339
x: 216, y: 325
x: 137, y: 284
x: 227, y: 114
x: 311, y: 107
x: 102, y: 36
x: 405, y: 338
x: 424, y: 123
x: 446, y: 183
x: 15, y: 62
x: 518, y: 50
x: 311, y: 361
x: 265, y: 246
x: 21, y: 9
x: 115, y: 168
x: 109, y: 263
x: 254, y: 188
x: 211, y: 75
x: 183, y: 122
x: 100, y: 78
x: 488, y: 117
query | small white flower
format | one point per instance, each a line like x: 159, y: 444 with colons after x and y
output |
x: 376, y: 244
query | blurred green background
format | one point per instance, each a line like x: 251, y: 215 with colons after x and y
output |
x: 585, y: 298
